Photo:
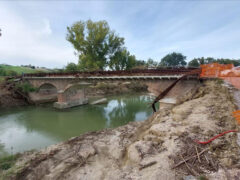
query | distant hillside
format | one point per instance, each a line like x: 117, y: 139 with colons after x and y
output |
x: 8, y: 70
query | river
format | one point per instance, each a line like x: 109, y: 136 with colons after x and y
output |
x: 35, y: 127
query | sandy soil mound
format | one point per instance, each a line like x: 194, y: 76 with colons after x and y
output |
x: 162, y: 147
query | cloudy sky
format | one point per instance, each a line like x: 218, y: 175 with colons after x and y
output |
x: 34, y: 32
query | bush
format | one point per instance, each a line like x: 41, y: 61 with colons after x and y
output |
x: 26, y: 87
x: 8, y: 161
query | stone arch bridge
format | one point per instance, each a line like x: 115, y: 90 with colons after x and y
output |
x: 69, y: 89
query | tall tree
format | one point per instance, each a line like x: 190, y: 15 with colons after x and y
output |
x: 122, y: 60
x: 94, y: 43
x: 71, y: 67
x: 173, y: 60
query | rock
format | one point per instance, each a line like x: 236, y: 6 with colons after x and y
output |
x: 100, y: 101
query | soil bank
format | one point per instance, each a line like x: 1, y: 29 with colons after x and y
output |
x: 9, y: 98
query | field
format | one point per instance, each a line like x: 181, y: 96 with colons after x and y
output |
x: 6, y: 70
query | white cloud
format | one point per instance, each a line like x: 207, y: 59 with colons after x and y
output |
x: 31, y: 42
x: 45, y: 28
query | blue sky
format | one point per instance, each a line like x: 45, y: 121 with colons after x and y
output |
x: 34, y: 32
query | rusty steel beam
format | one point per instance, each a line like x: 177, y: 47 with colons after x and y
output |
x: 165, y: 92
x: 160, y: 71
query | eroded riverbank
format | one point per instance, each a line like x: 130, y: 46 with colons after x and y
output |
x: 148, y: 149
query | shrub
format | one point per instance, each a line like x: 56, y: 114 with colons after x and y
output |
x: 8, y: 161
x: 26, y: 87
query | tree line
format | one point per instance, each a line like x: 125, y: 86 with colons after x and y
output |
x: 100, y: 48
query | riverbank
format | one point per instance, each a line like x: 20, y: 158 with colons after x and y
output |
x: 149, y: 149
x: 9, y: 98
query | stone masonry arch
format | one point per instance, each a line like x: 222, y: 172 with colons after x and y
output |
x: 47, y: 88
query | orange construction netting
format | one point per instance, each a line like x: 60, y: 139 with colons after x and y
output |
x: 236, y: 114
x: 224, y: 71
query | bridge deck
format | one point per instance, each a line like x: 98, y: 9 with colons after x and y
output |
x: 109, y: 77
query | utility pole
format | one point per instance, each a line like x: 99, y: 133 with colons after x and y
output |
x: 0, y: 32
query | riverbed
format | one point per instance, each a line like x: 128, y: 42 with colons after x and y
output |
x: 35, y: 127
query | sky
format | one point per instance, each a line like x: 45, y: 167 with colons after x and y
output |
x: 34, y: 32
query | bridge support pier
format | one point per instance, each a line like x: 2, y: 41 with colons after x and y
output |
x: 71, y: 99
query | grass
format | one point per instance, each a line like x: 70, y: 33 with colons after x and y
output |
x: 1, y: 79
x: 18, y: 70
x: 8, y: 167
x: 8, y: 161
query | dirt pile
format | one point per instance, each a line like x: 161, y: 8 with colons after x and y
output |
x: 161, y: 147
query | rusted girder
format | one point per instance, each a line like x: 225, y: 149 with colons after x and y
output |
x: 165, y: 92
x: 159, y: 71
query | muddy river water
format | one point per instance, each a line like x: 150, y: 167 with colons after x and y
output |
x: 35, y: 127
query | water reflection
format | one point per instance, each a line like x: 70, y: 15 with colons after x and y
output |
x: 28, y: 128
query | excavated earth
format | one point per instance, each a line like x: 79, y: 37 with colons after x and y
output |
x: 162, y: 147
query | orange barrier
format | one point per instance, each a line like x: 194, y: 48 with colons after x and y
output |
x: 236, y: 114
x: 214, y: 69
x: 224, y: 71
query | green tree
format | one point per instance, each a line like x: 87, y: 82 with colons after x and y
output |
x: 229, y: 61
x: 94, y: 43
x: 173, y: 60
x: 151, y: 63
x: 122, y: 60
x: 71, y: 67
x: 140, y: 64
x: 196, y: 62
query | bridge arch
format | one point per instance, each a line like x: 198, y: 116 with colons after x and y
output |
x: 80, y: 85
x: 47, y: 88
x: 74, y: 91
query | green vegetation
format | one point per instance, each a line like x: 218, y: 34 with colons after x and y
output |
x: 151, y: 63
x: 1, y: 79
x: 8, y: 70
x: 173, y: 60
x: 7, y: 166
x: 122, y: 60
x: 26, y: 87
x: 8, y: 161
x: 98, y: 47
x: 196, y: 62
x: 202, y: 177
x: 71, y: 67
